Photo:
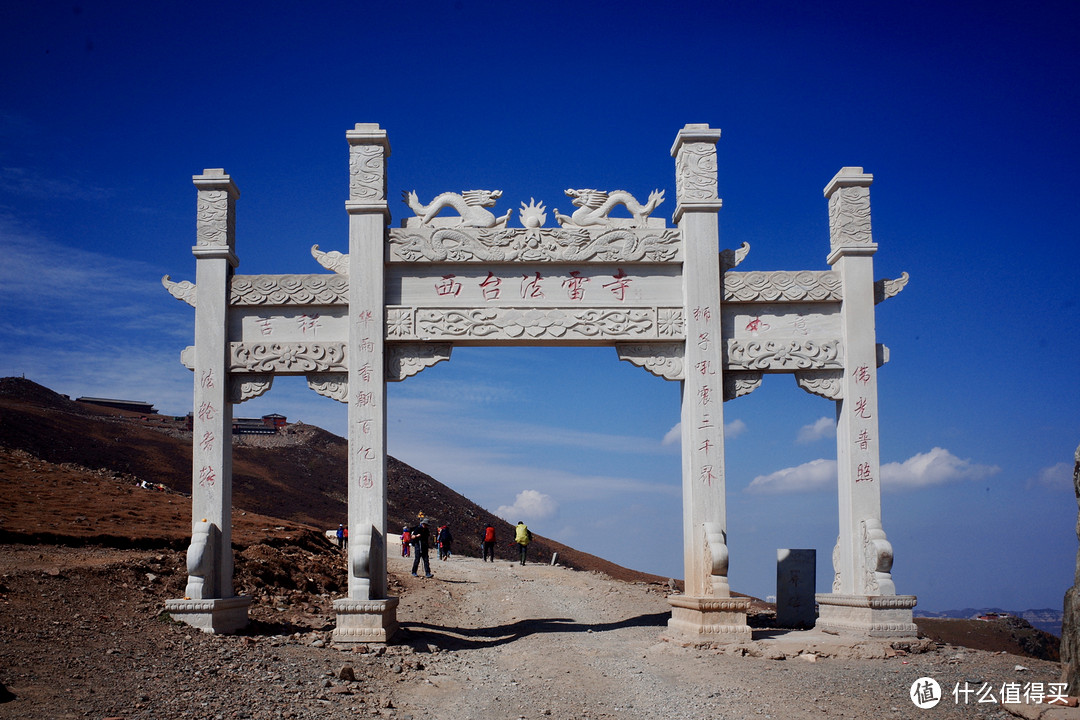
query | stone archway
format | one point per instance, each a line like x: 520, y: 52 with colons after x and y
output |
x: 664, y: 296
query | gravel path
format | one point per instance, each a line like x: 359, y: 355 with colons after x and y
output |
x: 83, y: 639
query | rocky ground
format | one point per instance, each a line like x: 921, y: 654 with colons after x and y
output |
x: 85, y: 638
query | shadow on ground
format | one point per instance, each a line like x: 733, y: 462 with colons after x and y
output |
x: 450, y: 638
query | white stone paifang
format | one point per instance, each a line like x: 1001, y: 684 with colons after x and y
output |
x: 400, y: 299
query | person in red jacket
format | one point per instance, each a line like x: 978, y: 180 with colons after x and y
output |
x: 489, y: 543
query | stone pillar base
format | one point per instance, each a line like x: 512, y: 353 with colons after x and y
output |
x: 721, y: 618
x: 868, y: 615
x: 365, y: 621
x: 212, y: 615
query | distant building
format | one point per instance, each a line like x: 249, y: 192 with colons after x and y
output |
x: 266, y: 425
x: 131, y: 405
x: 278, y: 421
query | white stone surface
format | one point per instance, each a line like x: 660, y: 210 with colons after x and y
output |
x: 667, y: 298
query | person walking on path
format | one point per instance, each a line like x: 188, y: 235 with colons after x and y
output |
x: 522, y: 537
x: 445, y: 541
x: 341, y: 536
x: 489, y: 543
x: 421, y: 539
x: 406, y: 539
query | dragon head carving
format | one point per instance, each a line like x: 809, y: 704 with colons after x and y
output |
x: 587, y: 197
x: 481, y: 198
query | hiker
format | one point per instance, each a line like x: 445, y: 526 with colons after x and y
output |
x: 341, y: 536
x: 445, y: 540
x: 421, y: 538
x: 406, y: 538
x: 522, y: 536
x: 345, y: 538
x: 489, y: 542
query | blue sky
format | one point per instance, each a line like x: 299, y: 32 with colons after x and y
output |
x: 966, y: 119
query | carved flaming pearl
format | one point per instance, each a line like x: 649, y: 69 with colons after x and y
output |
x: 533, y: 215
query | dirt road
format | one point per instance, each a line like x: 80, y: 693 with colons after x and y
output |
x: 84, y: 637
x: 541, y: 641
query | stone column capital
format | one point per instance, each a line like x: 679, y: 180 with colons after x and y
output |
x: 369, y: 134
x: 216, y: 179
x: 368, y: 151
x: 695, y: 170
x: 848, y: 195
x: 848, y: 177
x: 695, y: 133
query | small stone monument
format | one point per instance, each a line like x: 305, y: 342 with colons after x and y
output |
x: 796, y: 571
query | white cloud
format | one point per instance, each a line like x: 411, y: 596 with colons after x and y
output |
x: 936, y: 467
x: 529, y: 505
x: 1055, y: 477
x: 732, y: 430
x: 814, y: 475
x: 821, y: 428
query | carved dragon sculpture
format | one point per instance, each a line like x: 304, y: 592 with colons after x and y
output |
x: 469, y: 204
x: 594, y: 206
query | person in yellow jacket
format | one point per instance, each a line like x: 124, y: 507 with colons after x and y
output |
x: 522, y: 537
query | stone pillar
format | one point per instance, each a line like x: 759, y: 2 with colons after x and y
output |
x: 706, y: 607
x: 863, y: 597
x: 209, y: 602
x: 367, y: 614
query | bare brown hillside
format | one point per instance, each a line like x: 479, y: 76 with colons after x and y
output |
x: 297, y: 476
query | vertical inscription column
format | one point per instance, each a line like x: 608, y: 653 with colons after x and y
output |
x: 367, y: 614
x: 209, y: 602
x: 707, y: 605
x: 863, y: 556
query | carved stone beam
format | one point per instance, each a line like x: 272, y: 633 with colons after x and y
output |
x: 577, y: 245
x: 292, y: 290
x: 334, y: 385
x: 784, y: 355
x: 661, y: 359
x: 737, y: 384
x: 245, y: 387
x: 183, y: 290
x: 885, y: 289
x: 333, y: 260
x: 824, y: 383
x: 404, y: 360
x: 287, y: 358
